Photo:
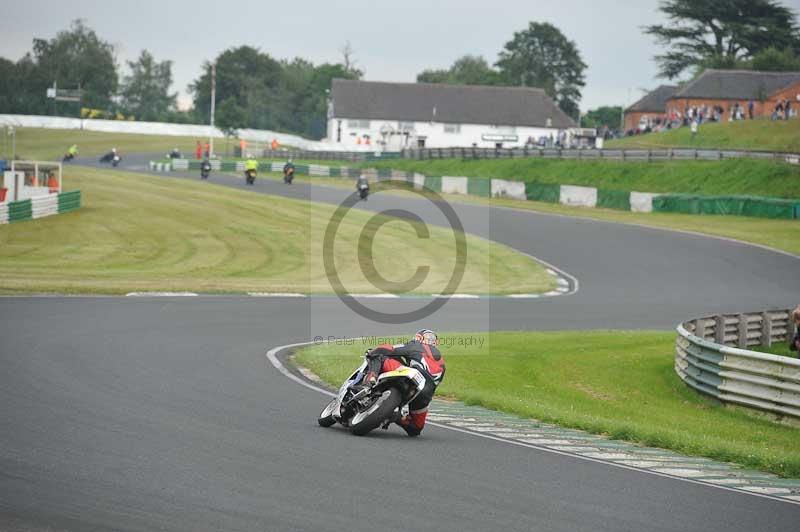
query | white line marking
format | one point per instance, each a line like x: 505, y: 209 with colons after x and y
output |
x: 375, y: 296
x: 275, y: 294
x: 160, y: 294
x: 272, y: 356
x: 523, y: 296
x: 463, y: 296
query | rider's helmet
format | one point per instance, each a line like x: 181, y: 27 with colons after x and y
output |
x: 427, y: 337
x: 113, y: 150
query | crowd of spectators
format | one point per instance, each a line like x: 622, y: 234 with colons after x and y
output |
x: 784, y: 110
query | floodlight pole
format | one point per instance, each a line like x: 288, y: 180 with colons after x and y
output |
x: 213, y: 106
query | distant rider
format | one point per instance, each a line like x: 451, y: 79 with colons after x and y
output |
x: 421, y: 353
x: 362, y: 185
x: 288, y: 166
x: 73, y: 151
x: 251, y: 164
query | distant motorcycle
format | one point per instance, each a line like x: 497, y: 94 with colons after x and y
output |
x: 67, y: 157
x: 107, y: 157
x: 288, y: 176
x: 250, y: 176
x: 115, y: 160
x: 174, y: 154
x: 363, y: 191
x: 205, y: 169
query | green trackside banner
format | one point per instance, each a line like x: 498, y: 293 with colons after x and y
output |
x: 19, y: 211
x: 542, y: 192
x: 726, y: 205
x: 433, y: 182
x: 614, y: 199
x: 477, y: 186
x: 335, y: 171
x: 69, y: 201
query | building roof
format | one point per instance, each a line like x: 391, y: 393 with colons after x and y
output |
x: 654, y: 101
x: 737, y: 84
x: 433, y: 102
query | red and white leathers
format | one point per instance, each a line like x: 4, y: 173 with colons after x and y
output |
x: 425, y: 358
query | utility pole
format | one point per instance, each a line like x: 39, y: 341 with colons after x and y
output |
x: 213, y: 107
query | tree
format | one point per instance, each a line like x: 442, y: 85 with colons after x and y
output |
x: 466, y: 70
x: 145, y: 92
x: 230, y: 117
x: 541, y: 56
x: 776, y: 60
x: 720, y: 33
x: 349, y: 63
x: 77, y: 57
x: 603, y: 116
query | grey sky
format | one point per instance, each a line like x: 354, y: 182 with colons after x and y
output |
x: 391, y: 42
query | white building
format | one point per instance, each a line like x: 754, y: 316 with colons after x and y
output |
x: 393, y: 116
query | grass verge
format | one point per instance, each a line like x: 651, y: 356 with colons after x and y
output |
x: 141, y: 232
x: 727, y: 177
x: 51, y: 144
x: 758, y: 135
x: 617, y: 383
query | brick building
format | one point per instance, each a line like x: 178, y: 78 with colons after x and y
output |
x: 652, y: 107
x: 726, y: 88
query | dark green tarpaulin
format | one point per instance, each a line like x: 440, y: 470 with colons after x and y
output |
x: 433, y: 182
x: 335, y: 171
x: 479, y: 187
x: 614, y: 199
x: 542, y: 192
x: 726, y: 205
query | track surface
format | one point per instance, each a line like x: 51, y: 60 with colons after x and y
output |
x: 142, y: 414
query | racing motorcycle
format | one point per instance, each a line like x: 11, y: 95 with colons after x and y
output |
x: 115, y: 160
x: 250, y: 176
x: 362, y: 409
x: 205, y: 169
x: 288, y: 176
x: 363, y: 191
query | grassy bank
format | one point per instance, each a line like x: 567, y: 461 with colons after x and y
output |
x: 617, y: 383
x: 51, y: 144
x: 139, y: 232
x: 758, y: 135
x: 746, y: 177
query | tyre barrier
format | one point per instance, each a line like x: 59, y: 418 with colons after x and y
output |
x: 30, y: 209
x: 711, y: 356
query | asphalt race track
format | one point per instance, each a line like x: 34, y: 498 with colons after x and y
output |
x: 163, y: 413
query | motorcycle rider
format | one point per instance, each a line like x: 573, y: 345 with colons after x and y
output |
x: 362, y: 183
x: 72, y: 152
x: 288, y: 166
x: 421, y: 353
x: 251, y: 165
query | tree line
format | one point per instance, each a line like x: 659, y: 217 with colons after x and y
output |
x: 253, y: 89
x: 258, y: 91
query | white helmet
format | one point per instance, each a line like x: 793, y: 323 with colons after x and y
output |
x: 427, y: 337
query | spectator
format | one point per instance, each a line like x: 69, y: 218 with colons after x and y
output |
x: 750, y: 106
x: 208, y: 150
x: 198, y: 151
x: 787, y: 109
x: 795, y: 345
x: 694, y: 129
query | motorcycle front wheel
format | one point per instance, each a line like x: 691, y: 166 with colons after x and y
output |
x: 325, y: 418
x: 376, y: 413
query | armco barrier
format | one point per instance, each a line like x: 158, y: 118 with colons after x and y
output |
x: 706, y: 360
x: 29, y: 209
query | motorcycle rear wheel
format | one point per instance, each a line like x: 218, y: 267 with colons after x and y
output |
x: 377, y: 412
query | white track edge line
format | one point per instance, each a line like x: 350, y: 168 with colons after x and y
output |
x: 272, y: 356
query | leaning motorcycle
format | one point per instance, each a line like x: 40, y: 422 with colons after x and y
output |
x: 361, y: 408
x: 115, y: 160
x: 363, y: 191
x: 250, y: 176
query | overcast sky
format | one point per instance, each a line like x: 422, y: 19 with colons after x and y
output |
x: 393, y: 41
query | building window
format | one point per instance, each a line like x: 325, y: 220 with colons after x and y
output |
x: 405, y: 126
x: 358, y: 124
x: 452, y: 128
x: 504, y: 129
